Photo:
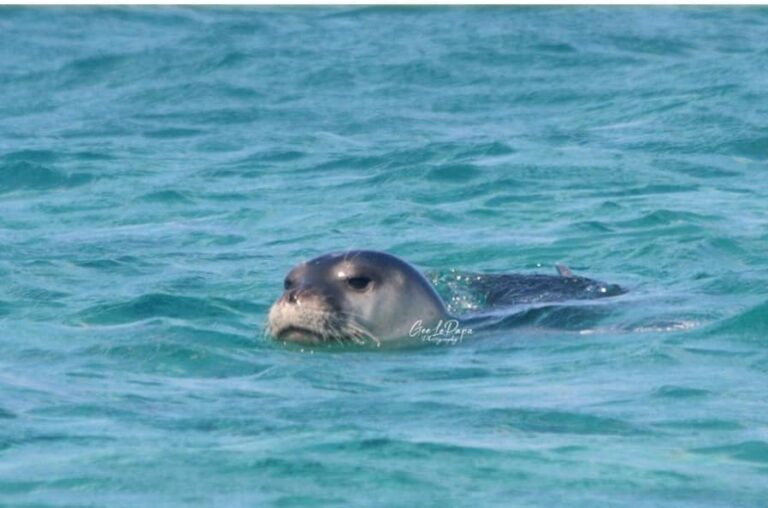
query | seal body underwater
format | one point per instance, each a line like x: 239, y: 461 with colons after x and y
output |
x: 364, y: 296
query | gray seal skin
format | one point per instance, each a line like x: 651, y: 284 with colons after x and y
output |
x: 356, y: 296
x: 363, y: 296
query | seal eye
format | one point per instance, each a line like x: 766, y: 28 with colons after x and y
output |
x: 359, y: 283
x: 287, y: 284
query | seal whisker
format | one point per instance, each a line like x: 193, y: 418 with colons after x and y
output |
x: 337, y: 330
x: 360, y: 333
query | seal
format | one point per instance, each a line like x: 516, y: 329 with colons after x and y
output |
x: 364, y: 296
x: 357, y: 296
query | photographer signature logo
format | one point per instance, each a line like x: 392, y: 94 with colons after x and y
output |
x: 444, y: 332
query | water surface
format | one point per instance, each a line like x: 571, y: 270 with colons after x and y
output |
x: 162, y: 168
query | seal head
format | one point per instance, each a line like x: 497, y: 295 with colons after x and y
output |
x: 356, y: 296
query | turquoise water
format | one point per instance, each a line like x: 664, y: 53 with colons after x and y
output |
x: 161, y: 169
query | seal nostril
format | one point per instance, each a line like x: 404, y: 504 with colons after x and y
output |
x: 292, y: 296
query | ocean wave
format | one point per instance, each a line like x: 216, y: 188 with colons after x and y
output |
x: 155, y: 305
x: 24, y: 175
x: 751, y: 323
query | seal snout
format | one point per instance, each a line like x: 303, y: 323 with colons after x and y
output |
x: 303, y: 314
x: 291, y: 296
x: 307, y: 297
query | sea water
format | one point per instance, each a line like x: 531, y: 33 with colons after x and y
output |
x: 161, y: 169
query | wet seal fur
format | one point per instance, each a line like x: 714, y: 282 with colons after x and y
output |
x: 363, y: 296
